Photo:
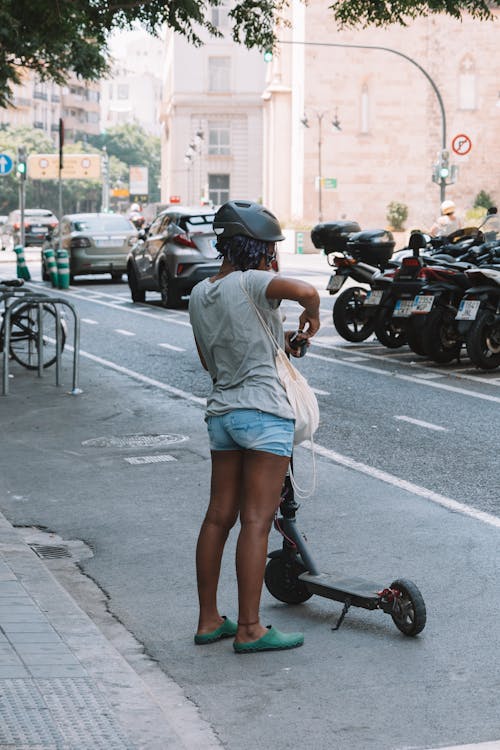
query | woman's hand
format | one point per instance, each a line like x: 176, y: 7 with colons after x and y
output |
x: 294, y: 351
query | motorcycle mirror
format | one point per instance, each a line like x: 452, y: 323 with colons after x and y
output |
x: 416, y: 243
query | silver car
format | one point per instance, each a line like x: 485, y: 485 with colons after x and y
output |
x: 96, y: 243
x: 173, y: 254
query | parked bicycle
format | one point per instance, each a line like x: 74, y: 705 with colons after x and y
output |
x: 25, y: 323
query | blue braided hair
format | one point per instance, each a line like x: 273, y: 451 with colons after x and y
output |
x: 243, y: 252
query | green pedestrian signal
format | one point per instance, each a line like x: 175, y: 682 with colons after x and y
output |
x: 268, y: 55
x: 21, y: 162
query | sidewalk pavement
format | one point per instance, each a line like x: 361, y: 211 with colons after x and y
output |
x: 63, y: 683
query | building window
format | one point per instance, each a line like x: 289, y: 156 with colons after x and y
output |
x: 219, y: 138
x: 218, y: 188
x: 467, y: 84
x: 365, y: 109
x: 219, y: 69
x: 122, y: 91
x: 220, y: 16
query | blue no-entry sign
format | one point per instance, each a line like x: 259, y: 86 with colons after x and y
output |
x: 6, y: 164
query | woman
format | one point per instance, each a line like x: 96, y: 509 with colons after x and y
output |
x: 447, y: 223
x: 250, y: 421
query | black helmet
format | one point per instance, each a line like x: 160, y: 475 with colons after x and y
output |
x: 249, y: 219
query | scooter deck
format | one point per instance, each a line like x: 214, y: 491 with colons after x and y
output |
x: 359, y: 591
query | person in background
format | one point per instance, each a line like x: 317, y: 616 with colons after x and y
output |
x: 448, y: 222
x: 249, y: 418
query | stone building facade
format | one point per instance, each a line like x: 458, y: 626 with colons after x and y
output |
x: 390, y: 119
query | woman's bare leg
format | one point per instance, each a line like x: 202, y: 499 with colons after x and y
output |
x: 261, y: 482
x: 225, y: 493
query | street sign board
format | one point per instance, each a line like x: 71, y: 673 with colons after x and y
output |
x: 6, y: 164
x: 76, y: 167
x: 138, y: 180
x: 327, y: 183
x: 461, y: 144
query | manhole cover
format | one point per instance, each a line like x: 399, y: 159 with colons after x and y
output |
x: 134, y: 441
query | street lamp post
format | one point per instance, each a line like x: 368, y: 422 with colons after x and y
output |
x: 442, y: 184
x: 336, y: 124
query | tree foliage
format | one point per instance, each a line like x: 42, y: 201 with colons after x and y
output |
x: 53, y: 39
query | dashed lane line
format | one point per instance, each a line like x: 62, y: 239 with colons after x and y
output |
x: 90, y: 321
x: 172, y: 347
x: 123, y: 332
x: 421, y: 423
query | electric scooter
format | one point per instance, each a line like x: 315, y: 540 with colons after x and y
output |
x: 292, y: 577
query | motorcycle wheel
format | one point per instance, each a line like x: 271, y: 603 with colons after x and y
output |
x: 282, y: 580
x: 415, y: 339
x: 440, y: 337
x: 409, y: 614
x: 390, y: 331
x: 483, y: 341
x: 353, y: 321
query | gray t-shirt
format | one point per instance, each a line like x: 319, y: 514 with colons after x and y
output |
x: 238, y: 352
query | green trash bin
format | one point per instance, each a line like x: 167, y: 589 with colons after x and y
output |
x: 51, y: 265
x: 62, y: 262
x: 21, y: 267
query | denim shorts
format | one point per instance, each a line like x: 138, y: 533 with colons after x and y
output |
x: 251, y: 429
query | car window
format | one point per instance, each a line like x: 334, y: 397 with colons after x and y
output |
x: 197, y: 223
x: 102, y: 224
x: 166, y: 221
x: 155, y: 226
x: 39, y: 212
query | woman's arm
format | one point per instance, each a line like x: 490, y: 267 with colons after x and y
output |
x: 303, y: 293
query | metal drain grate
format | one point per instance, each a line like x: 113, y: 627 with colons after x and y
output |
x: 159, y: 459
x: 50, y: 550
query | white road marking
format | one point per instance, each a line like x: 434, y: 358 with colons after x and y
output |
x: 350, y: 463
x: 420, y: 423
x: 156, y: 459
x: 403, y: 484
x: 410, y: 378
x: 90, y: 321
x: 495, y: 745
x: 171, y: 346
x: 320, y: 392
x: 123, y: 332
x: 429, y: 375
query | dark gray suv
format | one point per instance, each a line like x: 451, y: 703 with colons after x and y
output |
x: 173, y: 254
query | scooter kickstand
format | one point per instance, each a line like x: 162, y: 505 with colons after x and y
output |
x: 345, y: 610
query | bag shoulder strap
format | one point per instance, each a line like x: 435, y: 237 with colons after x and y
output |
x: 259, y: 315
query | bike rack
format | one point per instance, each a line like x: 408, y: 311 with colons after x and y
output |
x: 38, y: 301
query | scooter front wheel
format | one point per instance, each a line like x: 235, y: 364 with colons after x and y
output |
x: 282, y: 580
x: 408, y: 614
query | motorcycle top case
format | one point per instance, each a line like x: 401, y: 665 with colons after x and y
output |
x: 332, y: 236
x: 373, y: 246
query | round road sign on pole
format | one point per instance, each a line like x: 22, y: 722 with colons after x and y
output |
x: 6, y: 164
x: 461, y: 144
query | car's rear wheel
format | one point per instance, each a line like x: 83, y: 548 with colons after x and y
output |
x: 137, y: 294
x: 170, y: 296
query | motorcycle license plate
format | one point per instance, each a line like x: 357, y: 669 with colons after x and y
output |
x: 373, y: 298
x: 403, y: 308
x: 335, y: 282
x: 422, y: 303
x: 468, y: 309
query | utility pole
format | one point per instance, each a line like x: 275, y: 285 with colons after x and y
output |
x: 21, y: 172
x: 61, y: 164
x: 105, y: 181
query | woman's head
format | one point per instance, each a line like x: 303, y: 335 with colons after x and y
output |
x: 247, y: 233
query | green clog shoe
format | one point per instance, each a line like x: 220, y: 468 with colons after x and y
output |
x: 227, y: 629
x: 273, y: 640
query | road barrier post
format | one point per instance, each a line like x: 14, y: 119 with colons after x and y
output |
x: 51, y: 265
x: 62, y: 262
x: 21, y: 267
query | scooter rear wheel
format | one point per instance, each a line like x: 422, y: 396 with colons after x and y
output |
x: 282, y: 580
x: 409, y: 614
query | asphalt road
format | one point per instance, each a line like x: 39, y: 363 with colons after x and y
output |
x: 406, y: 487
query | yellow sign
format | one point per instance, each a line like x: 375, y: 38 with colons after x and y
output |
x: 120, y: 193
x: 75, y: 167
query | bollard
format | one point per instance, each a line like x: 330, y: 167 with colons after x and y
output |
x: 62, y: 261
x: 51, y: 265
x: 21, y: 268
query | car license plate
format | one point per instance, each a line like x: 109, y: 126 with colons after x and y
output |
x: 373, y: 297
x: 468, y: 309
x: 109, y: 242
x: 335, y: 282
x: 39, y: 230
x: 403, y: 308
x: 422, y: 303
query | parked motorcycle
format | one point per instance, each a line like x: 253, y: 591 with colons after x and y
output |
x: 357, y: 255
x: 478, y: 316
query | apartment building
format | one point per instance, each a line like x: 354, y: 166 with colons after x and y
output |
x: 211, y: 119
x: 369, y: 121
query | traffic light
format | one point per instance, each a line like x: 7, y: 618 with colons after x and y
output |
x: 444, y: 164
x: 21, y: 162
x: 268, y: 55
